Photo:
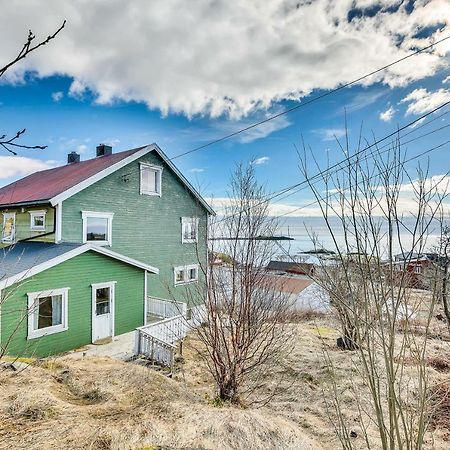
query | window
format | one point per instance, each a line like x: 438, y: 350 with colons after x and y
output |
x: 150, y: 179
x: 37, y: 220
x: 9, y: 227
x: 47, y: 312
x: 102, y: 301
x: 97, y: 227
x: 186, y: 274
x: 418, y: 269
x: 189, y: 229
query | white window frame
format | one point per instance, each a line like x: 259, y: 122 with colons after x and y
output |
x: 33, y: 215
x: 6, y: 216
x: 186, y: 279
x: 102, y: 215
x: 418, y: 269
x: 184, y: 221
x: 64, y: 326
x: 158, y: 170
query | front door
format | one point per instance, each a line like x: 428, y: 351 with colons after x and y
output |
x: 102, y: 311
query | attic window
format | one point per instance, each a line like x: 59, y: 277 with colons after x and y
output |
x: 37, y: 220
x: 150, y: 180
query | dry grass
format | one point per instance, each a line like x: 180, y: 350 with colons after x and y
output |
x: 105, y: 404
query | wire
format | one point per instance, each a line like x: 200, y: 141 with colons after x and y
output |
x: 308, y: 102
x: 436, y: 130
x: 338, y: 165
x: 403, y: 162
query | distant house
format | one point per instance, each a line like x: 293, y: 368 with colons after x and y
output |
x: 417, y: 270
x: 302, y: 292
x: 91, y: 248
x: 291, y: 267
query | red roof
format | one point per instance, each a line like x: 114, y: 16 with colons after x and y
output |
x: 46, y: 184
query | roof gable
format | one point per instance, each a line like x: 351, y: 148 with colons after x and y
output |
x: 56, y: 185
x: 26, y: 259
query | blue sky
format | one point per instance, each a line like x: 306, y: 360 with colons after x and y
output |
x: 75, y: 109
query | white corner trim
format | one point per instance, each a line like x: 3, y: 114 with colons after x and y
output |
x: 145, y: 298
x: 102, y: 174
x: 58, y: 224
x: 5, y: 282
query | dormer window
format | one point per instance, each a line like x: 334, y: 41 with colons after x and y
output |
x: 97, y: 227
x: 37, y: 220
x: 150, y: 179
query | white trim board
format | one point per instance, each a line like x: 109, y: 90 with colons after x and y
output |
x: 6, y: 282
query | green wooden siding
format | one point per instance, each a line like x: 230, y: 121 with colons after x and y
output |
x: 147, y: 228
x: 23, y: 224
x: 77, y: 274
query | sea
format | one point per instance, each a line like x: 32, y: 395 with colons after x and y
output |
x: 309, y: 233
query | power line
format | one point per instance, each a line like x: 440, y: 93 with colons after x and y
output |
x: 308, y: 102
x: 436, y: 130
x: 432, y: 149
x: 338, y: 165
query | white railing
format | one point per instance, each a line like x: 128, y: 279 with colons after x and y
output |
x: 157, y: 340
x: 165, y: 308
x: 155, y: 349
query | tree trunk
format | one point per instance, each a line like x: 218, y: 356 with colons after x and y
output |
x: 444, y: 293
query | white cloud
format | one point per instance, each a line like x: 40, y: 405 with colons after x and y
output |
x: 57, y: 96
x: 82, y: 148
x: 446, y: 80
x: 261, y: 161
x: 20, y: 166
x: 221, y: 57
x: 77, y: 89
x: 197, y: 170
x: 330, y: 134
x: 422, y: 101
x: 386, y: 116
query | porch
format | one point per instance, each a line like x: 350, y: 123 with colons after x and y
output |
x: 168, y: 323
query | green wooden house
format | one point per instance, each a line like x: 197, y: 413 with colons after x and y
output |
x: 92, y: 248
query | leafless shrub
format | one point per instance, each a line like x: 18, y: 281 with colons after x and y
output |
x: 372, y: 298
x: 244, y: 331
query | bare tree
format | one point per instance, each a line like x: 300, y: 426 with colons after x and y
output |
x: 377, y: 310
x: 11, y: 143
x: 244, y: 329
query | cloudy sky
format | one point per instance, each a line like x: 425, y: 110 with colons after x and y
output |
x: 182, y: 74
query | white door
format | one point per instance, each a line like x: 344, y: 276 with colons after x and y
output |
x: 102, y: 311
